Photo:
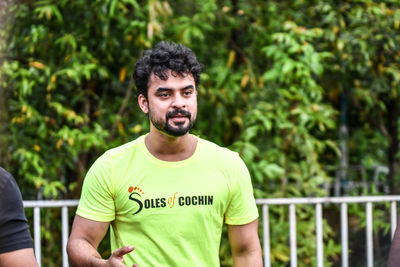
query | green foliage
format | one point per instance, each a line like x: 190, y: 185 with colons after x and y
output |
x: 274, y: 73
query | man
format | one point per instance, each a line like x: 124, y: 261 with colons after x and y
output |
x: 167, y: 193
x: 16, y: 248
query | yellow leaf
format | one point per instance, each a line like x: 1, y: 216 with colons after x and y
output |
x: 129, y: 37
x: 15, y: 120
x: 260, y: 83
x: 37, y: 64
x: 67, y: 58
x: 29, y: 113
x: 70, y: 114
x: 70, y: 141
x: 137, y: 128
x: 244, y: 81
x: 96, y: 113
x: 36, y: 148
x: 39, y: 183
x: 53, y: 78
x: 340, y: 45
x: 120, y: 128
x: 59, y: 143
x: 122, y: 74
x: 238, y: 120
x: 342, y: 23
x: 281, y: 256
x: 231, y: 58
x: 24, y: 108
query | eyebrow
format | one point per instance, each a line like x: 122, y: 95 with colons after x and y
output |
x: 164, y: 89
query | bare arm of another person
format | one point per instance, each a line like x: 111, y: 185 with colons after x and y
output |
x: 245, y: 244
x: 394, y: 255
x: 83, y: 242
x: 18, y: 258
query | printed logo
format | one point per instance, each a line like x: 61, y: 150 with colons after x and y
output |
x: 134, y: 192
x: 136, y: 195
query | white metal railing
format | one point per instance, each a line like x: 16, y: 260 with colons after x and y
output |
x: 343, y: 201
x: 265, y: 203
x: 37, y: 205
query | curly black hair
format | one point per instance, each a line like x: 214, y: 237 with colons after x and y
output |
x: 163, y: 57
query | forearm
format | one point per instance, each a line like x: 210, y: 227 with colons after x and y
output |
x: 18, y: 258
x: 82, y: 253
x: 248, y: 258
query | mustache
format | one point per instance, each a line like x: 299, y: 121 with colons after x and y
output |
x: 178, y: 112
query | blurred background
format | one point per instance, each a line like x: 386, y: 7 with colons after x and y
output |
x: 308, y: 92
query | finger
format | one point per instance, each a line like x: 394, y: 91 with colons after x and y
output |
x: 123, y: 250
x: 135, y: 265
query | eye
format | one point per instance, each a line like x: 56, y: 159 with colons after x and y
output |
x: 164, y: 94
x: 187, y: 92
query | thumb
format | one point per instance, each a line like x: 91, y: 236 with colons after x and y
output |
x: 123, y: 250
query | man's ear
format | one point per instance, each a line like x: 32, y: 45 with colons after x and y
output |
x: 143, y: 103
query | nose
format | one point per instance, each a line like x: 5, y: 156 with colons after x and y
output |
x: 178, y: 101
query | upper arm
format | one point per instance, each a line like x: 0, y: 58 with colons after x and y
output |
x: 18, y: 258
x: 242, y: 207
x: 88, y: 230
x: 244, y: 238
x: 15, y: 239
x: 245, y: 244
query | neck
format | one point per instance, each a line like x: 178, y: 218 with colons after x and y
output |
x: 170, y: 148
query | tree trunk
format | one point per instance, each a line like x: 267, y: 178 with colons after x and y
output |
x: 4, y: 157
x: 393, y: 118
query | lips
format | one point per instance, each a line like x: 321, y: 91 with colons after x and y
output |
x: 178, y: 115
x: 179, y: 118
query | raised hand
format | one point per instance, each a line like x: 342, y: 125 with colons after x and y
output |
x: 117, y: 258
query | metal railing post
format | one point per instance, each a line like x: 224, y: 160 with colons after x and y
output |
x: 64, y: 234
x: 369, y: 232
x: 292, y: 226
x: 393, y: 218
x: 266, y: 237
x: 319, y: 231
x: 36, y: 235
x: 344, y: 234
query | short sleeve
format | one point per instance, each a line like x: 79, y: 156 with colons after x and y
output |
x: 242, y: 207
x: 97, y: 198
x: 14, y: 228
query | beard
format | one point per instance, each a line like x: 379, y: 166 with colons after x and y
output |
x: 176, y: 130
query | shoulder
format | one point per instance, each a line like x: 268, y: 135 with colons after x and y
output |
x: 5, y: 178
x: 109, y: 161
x: 8, y: 183
x: 121, y: 151
x: 216, y: 152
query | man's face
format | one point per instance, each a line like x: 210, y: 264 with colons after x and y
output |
x: 171, y: 104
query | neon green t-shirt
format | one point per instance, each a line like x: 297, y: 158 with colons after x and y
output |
x: 172, y: 212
